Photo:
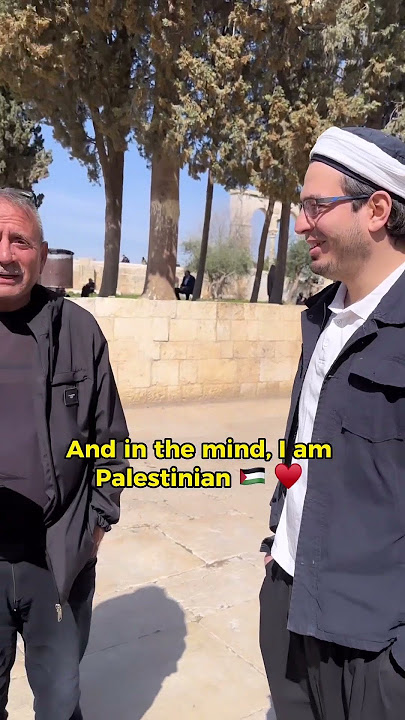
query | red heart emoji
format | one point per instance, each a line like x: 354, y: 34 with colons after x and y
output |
x: 288, y: 475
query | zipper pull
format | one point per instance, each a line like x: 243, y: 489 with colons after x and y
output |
x: 59, y: 611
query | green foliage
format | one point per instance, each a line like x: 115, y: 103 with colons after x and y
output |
x: 225, y: 260
x: 299, y: 261
x: 23, y: 159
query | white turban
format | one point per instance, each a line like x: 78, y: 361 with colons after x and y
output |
x: 364, y: 154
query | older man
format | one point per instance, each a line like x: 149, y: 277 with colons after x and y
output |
x: 333, y: 600
x: 56, y: 384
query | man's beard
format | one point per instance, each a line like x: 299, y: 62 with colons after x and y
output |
x: 349, y: 253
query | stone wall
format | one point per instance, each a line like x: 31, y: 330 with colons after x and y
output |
x: 165, y: 351
x: 131, y: 279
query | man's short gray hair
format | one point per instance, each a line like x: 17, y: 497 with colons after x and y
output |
x: 25, y: 201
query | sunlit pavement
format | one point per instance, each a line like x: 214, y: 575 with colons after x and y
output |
x: 175, y: 623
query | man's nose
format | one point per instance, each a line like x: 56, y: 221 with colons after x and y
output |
x: 6, y: 255
x: 302, y: 224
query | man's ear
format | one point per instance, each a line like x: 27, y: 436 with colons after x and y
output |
x: 380, y: 205
x: 43, y: 254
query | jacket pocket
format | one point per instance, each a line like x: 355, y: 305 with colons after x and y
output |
x: 70, y: 377
x: 375, y: 405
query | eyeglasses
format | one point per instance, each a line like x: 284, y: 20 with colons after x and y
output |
x: 313, y: 206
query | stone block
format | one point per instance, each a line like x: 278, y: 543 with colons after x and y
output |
x: 230, y: 311
x: 225, y: 349
x: 248, y: 370
x: 217, y: 541
x: 133, y: 328
x: 160, y: 328
x: 286, y: 350
x: 218, y: 390
x: 191, y: 391
x: 148, y: 555
x: 149, y: 348
x: 165, y: 372
x: 136, y: 396
x: 197, y: 311
x: 268, y: 389
x: 204, y: 591
x: 248, y: 389
x: 174, y: 394
x: 154, y: 308
x: 206, y: 330
x: 122, y: 351
x: 115, y: 307
x: 237, y: 628
x: 252, y: 311
x: 217, y: 371
x: 174, y: 350
x: 254, y: 331
x: 204, y: 351
x: 181, y: 330
x: 223, y: 330
x: 188, y: 371
x: 134, y: 375
x: 271, y: 331
x: 239, y: 330
x: 242, y: 349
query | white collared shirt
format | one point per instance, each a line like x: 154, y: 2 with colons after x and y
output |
x: 341, y: 326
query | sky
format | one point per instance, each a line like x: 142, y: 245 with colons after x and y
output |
x: 72, y: 211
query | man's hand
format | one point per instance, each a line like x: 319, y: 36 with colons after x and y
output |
x: 267, y: 558
x: 97, y: 538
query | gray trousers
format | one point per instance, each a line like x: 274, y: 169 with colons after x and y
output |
x: 52, y: 650
x: 311, y: 679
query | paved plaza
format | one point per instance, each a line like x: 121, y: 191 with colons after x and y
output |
x: 175, y: 623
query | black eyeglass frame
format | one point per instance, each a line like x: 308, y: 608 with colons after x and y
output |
x: 326, y: 201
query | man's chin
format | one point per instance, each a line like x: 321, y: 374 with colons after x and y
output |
x: 13, y: 297
x: 323, y: 269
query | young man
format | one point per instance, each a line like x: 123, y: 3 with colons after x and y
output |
x: 333, y: 601
x: 56, y: 385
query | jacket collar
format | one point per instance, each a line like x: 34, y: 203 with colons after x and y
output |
x: 44, y: 326
x: 390, y: 310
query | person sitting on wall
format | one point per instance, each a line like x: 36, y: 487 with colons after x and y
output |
x: 124, y: 259
x: 187, y: 286
x: 88, y: 288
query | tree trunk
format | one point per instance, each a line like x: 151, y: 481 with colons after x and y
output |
x: 277, y: 291
x: 113, y: 172
x: 262, y: 251
x: 204, y: 240
x: 163, y: 228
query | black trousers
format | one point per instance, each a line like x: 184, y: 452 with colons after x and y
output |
x: 311, y: 679
x: 53, y: 650
x: 179, y: 292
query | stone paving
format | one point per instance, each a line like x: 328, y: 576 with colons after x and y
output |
x: 175, y: 623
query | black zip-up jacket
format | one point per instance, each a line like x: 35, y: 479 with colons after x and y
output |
x: 349, y: 582
x: 73, y: 353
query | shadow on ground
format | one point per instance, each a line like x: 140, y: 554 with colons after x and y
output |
x: 135, y: 643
